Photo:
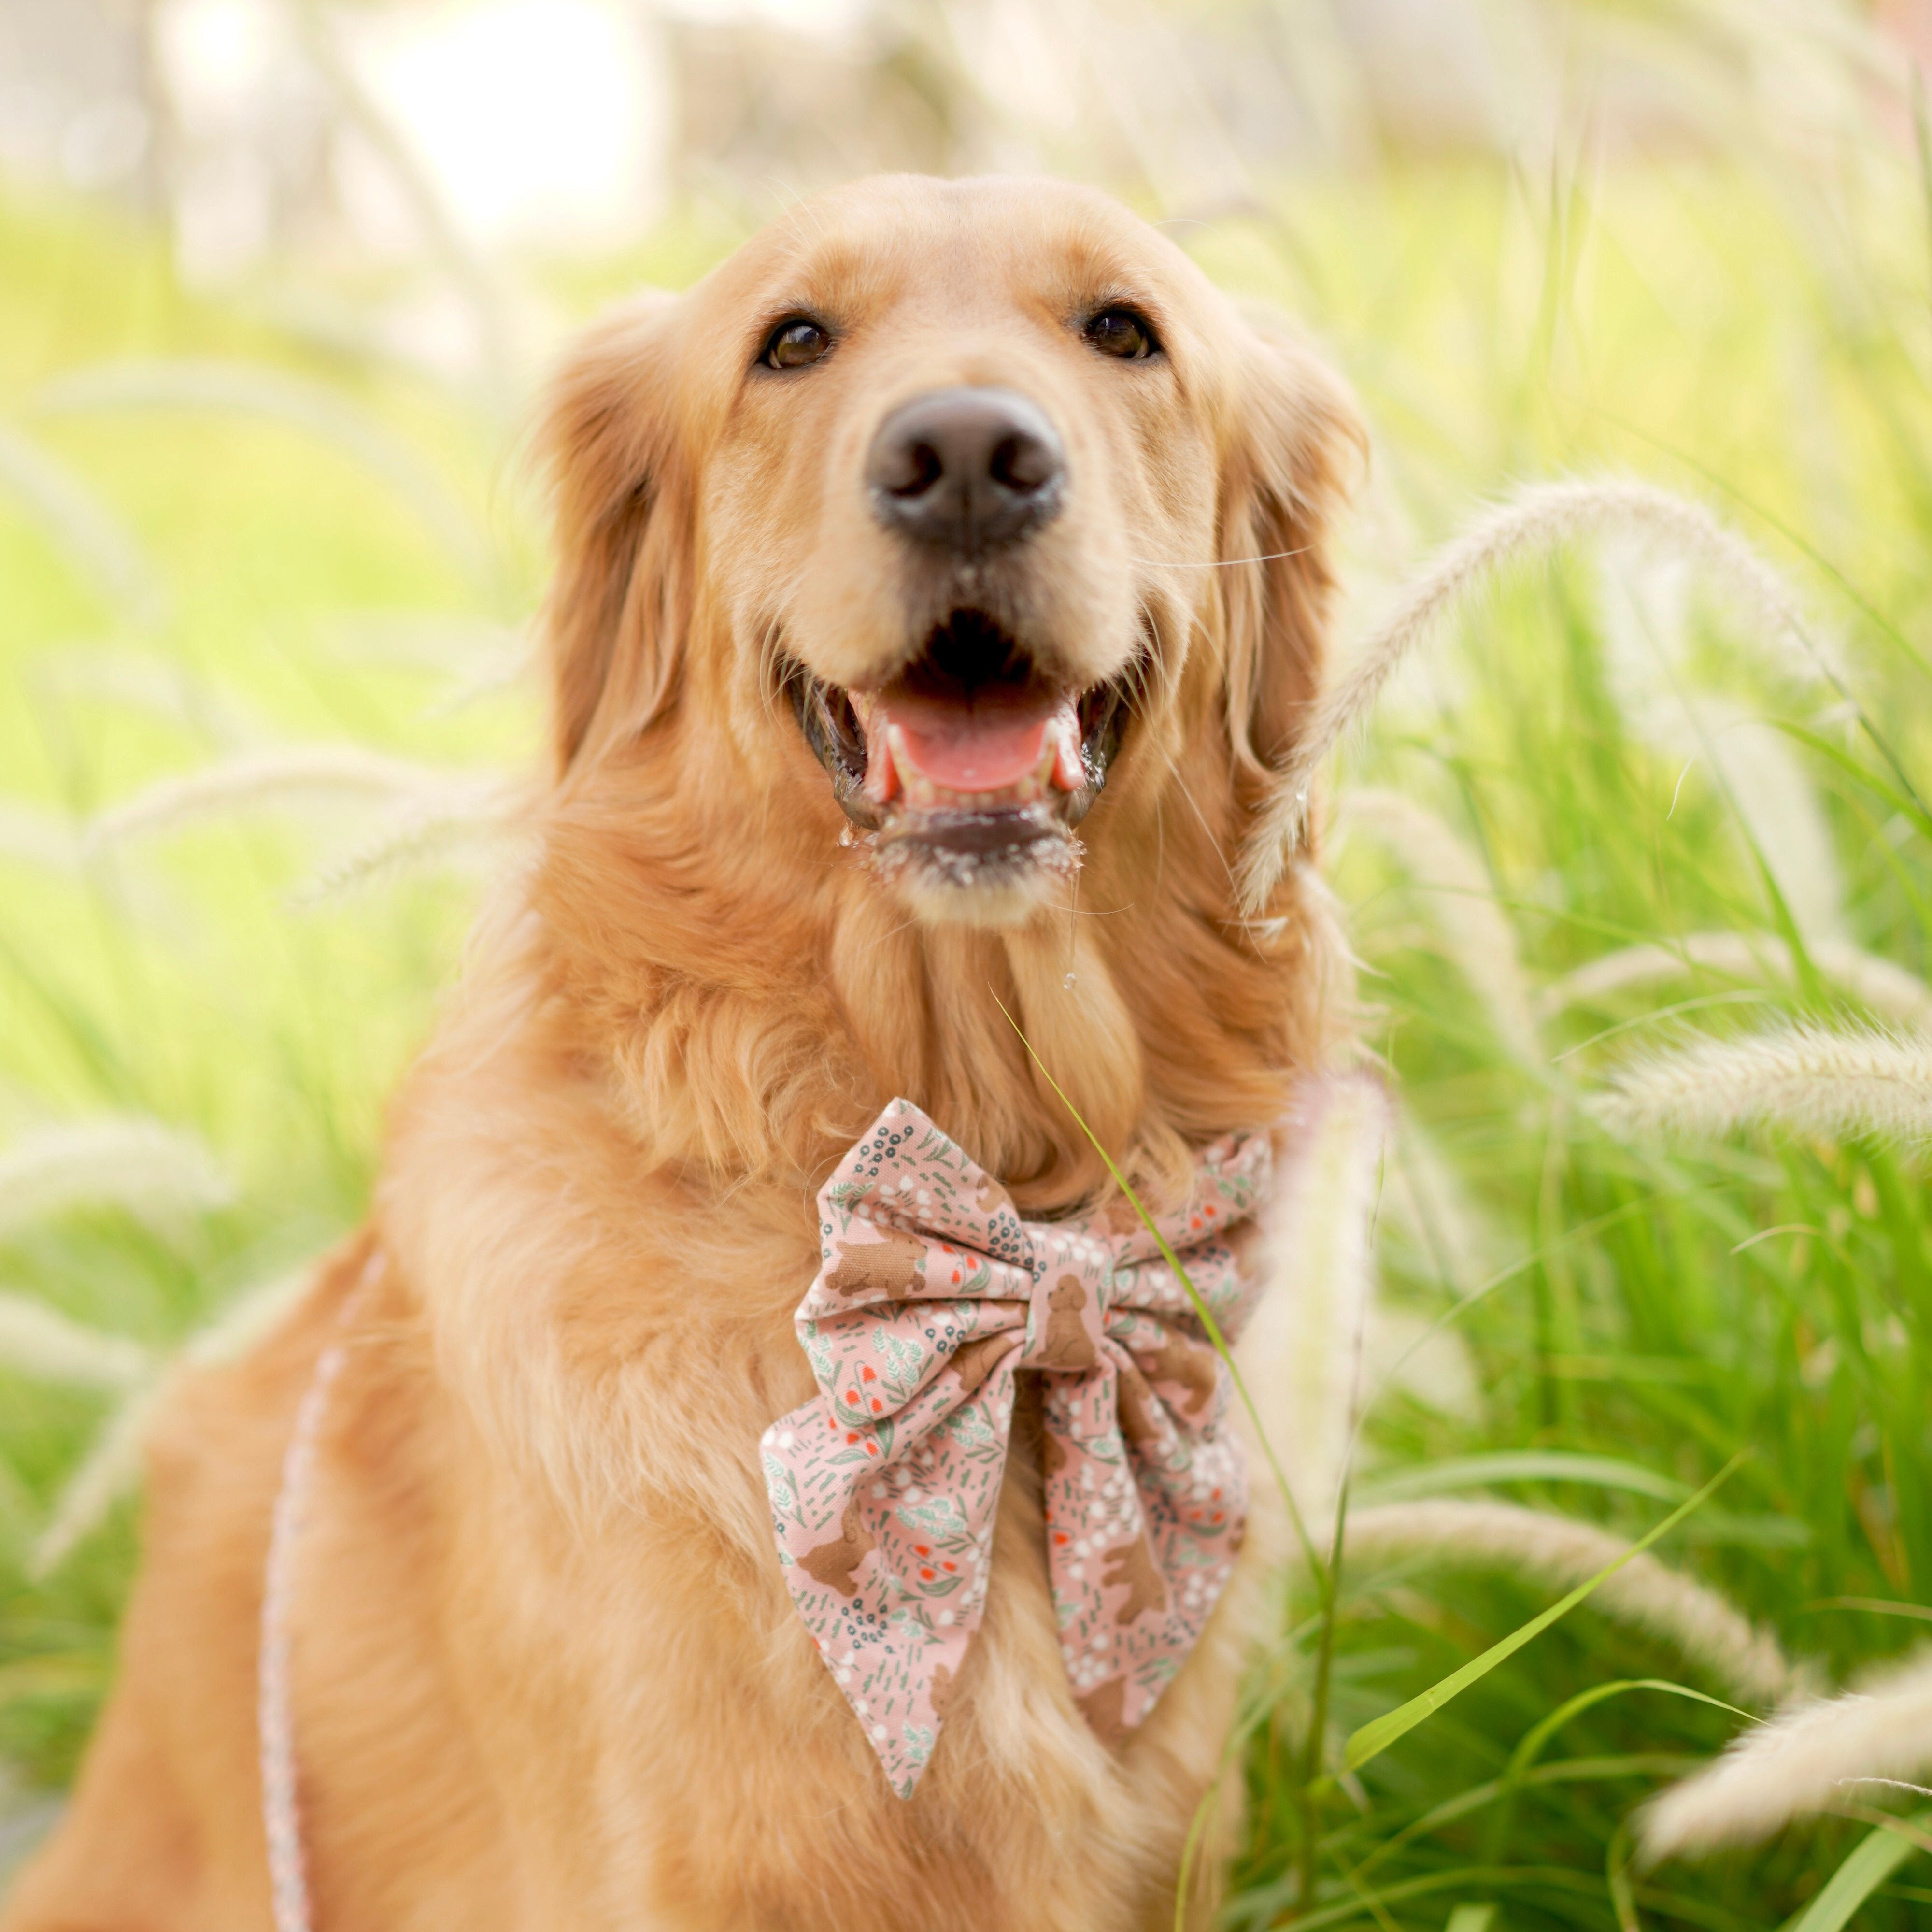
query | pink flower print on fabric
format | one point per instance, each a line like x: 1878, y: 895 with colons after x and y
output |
x: 932, y: 1295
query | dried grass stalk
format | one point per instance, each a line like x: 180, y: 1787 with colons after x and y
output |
x: 1812, y: 1079
x: 1808, y: 1758
x: 1541, y: 519
x: 1557, y: 1553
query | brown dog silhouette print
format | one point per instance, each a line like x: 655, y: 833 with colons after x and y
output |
x: 1133, y: 1564
x: 889, y: 1266
x: 991, y: 1197
x: 941, y: 1690
x: 1067, y: 1344
x: 832, y: 1564
x: 974, y: 1361
x: 1139, y: 1407
x: 1102, y: 1708
x: 1192, y: 1365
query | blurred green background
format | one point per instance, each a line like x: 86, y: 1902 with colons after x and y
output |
x: 276, y: 283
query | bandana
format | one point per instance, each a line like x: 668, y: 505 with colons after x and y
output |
x: 933, y: 1293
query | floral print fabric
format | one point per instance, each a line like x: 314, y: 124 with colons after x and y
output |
x: 932, y: 1295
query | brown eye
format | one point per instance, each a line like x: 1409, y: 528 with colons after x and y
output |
x: 794, y: 344
x: 1120, y: 331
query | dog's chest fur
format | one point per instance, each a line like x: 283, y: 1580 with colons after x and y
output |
x: 635, y: 1713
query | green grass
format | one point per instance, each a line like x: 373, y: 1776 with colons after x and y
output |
x: 1748, y: 339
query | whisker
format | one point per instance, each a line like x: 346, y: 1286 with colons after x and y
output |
x: 1223, y: 562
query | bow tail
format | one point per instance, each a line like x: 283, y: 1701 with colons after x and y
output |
x: 886, y: 1562
x: 1141, y: 1536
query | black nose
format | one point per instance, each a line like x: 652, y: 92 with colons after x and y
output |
x: 967, y: 469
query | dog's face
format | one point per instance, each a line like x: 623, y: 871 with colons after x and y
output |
x: 927, y: 500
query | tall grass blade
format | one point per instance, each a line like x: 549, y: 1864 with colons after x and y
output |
x: 1375, y: 1737
x: 1866, y: 1867
x: 1462, y: 901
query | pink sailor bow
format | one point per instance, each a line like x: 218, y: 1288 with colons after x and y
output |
x: 884, y: 1488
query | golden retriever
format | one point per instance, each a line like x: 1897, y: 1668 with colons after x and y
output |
x: 938, y: 581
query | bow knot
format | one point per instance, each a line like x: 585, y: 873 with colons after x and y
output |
x: 932, y: 1293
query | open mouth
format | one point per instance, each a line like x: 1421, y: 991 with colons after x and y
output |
x: 971, y: 762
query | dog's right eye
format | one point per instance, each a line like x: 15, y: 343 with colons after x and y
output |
x: 794, y: 344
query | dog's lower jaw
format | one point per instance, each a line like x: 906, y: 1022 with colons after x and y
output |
x: 998, y: 888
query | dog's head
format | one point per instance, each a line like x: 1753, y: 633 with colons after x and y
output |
x: 944, y: 519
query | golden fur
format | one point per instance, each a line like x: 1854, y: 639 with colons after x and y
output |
x: 546, y: 1672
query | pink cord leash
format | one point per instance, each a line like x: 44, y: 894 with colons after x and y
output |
x: 281, y: 1811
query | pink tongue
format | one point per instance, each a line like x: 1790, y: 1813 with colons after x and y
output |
x: 985, y: 757
x: 984, y: 747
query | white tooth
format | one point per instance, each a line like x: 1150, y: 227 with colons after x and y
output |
x: 919, y: 789
x: 1068, y: 773
x: 885, y: 765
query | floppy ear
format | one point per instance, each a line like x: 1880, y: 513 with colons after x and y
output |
x: 619, y: 605
x: 1298, y: 446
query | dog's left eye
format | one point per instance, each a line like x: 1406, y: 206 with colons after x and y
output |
x: 794, y: 344
x: 1120, y: 331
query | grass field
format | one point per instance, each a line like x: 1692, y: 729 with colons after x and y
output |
x: 1607, y: 811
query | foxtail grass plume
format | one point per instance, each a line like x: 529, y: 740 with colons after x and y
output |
x: 468, y: 825
x: 40, y: 1343
x: 1557, y: 1553
x: 248, y: 1317
x: 1306, y: 1337
x: 1810, y: 1758
x: 1478, y: 937
x: 110, y: 1470
x: 1541, y: 519
x: 1811, y: 1079
x: 1901, y: 998
x: 153, y: 1170
x: 297, y: 777
x: 38, y: 838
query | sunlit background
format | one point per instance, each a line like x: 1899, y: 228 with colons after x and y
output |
x: 278, y: 282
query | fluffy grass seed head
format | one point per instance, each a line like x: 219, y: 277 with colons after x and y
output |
x: 1813, y: 1755
x: 153, y: 1170
x: 1557, y: 1553
x: 38, y: 1342
x: 1305, y: 1344
x: 110, y: 1470
x: 296, y: 776
x: 1895, y: 995
x: 1832, y: 1082
x: 1541, y: 518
